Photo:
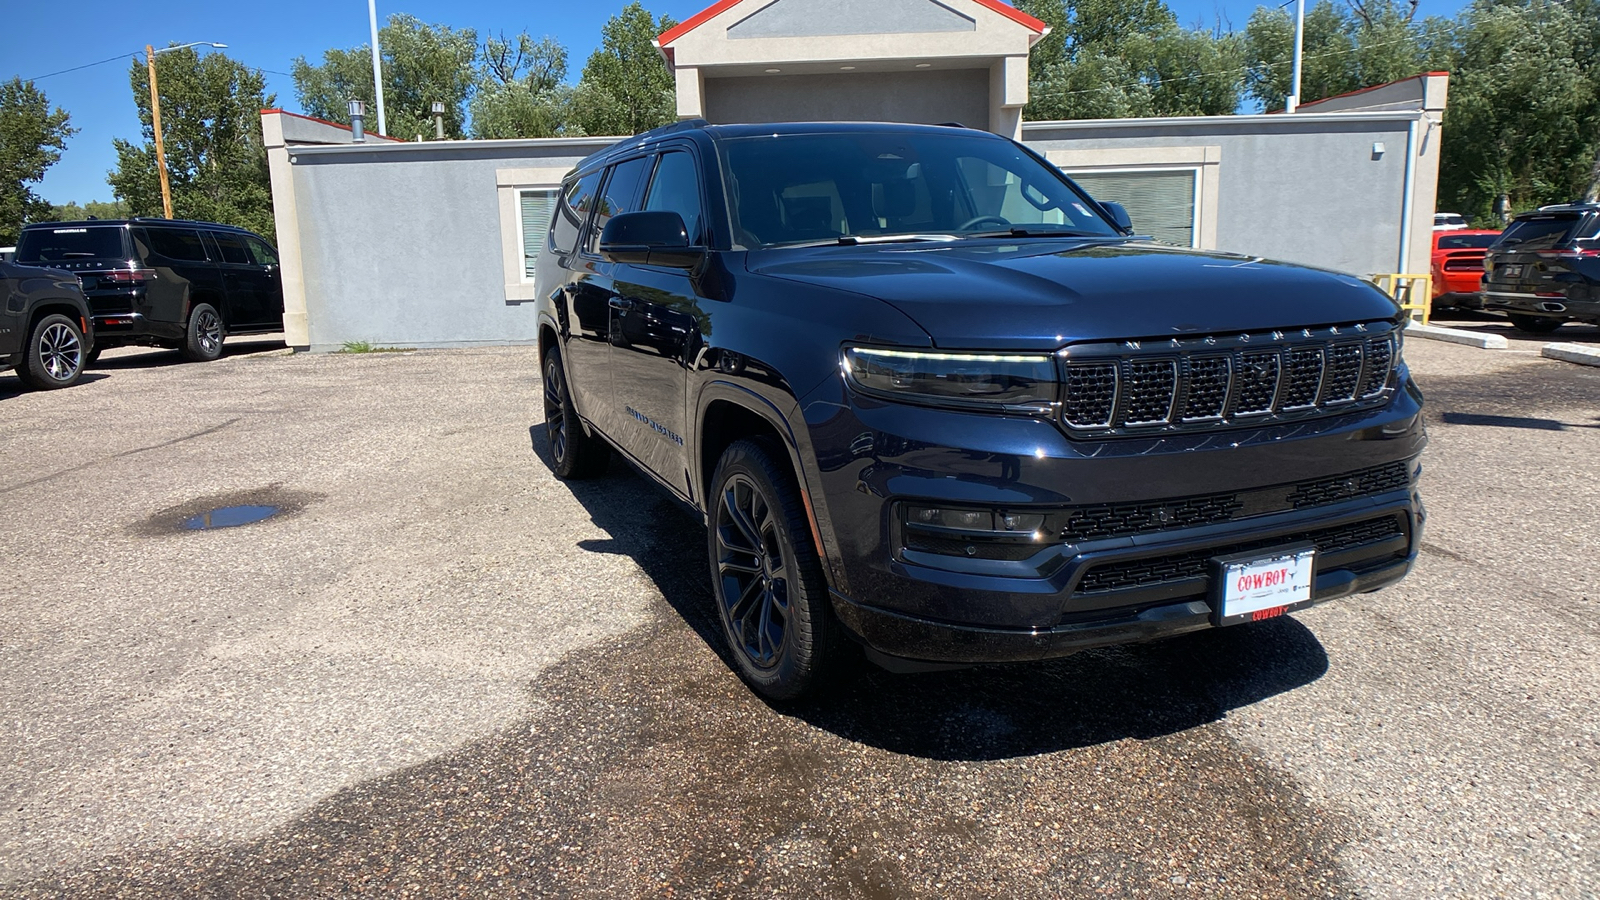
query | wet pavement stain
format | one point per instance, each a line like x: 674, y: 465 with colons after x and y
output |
x: 221, y: 511
x: 646, y: 769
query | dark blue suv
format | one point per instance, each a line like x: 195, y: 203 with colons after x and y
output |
x: 932, y: 398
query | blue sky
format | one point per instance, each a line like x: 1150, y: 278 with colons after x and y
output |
x: 268, y: 36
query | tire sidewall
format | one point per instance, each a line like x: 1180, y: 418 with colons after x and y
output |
x: 33, y: 371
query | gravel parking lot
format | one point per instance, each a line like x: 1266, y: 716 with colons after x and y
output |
x: 442, y: 672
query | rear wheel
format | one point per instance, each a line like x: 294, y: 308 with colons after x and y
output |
x: 771, y: 595
x: 1534, y: 324
x: 54, y: 354
x: 576, y: 454
x: 203, y: 341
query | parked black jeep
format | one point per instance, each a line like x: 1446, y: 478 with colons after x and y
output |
x: 46, y: 332
x: 165, y: 283
x: 1545, y: 269
x: 933, y: 398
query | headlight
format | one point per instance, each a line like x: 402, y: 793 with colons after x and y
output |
x: 1013, y: 382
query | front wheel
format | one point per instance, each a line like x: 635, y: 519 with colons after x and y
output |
x: 767, y: 577
x: 203, y: 340
x: 55, y: 354
x: 1534, y: 324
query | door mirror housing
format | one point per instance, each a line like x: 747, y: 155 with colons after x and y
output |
x: 649, y: 239
x: 1119, y: 214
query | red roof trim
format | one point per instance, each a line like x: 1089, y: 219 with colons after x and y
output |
x: 711, y: 12
x: 284, y: 112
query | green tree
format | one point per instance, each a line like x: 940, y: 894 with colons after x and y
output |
x: 211, y: 123
x: 1344, y: 49
x: 94, y: 209
x: 520, y: 91
x: 1121, y: 58
x: 422, y: 65
x: 32, y: 136
x: 626, y: 87
x: 1523, y: 122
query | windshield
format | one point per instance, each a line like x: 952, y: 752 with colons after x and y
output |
x: 789, y: 189
x: 62, y: 244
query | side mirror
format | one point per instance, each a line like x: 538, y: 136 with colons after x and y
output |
x: 649, y: 238
x: 1119, y: 214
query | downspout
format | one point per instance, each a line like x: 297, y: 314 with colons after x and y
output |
x: 1406, y: 201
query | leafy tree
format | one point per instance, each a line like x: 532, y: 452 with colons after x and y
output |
x: 520, y: 91
x: 1344, y: 49
x: 1121, y: 58
x: 211, y: 122
x: 32, y: 137
x: 626, y: 87
x: 422, y: 64
x: 1523, y: 122
x: 94, y: 209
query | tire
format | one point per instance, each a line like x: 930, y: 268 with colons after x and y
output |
x: 54, y: 357
x: 1534, y: 324
x: 203, y: 340
x: 575, y: 453
x: 771, y: 596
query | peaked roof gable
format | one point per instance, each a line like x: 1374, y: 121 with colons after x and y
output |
x: 695, y: 21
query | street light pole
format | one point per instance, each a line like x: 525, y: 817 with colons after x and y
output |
x: 377, y: 64
x: 155, y: 118
x: 1293, y: 102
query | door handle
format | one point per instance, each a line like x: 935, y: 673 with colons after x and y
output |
x: 622, y: 303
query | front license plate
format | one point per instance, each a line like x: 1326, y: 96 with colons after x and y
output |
x: 1251, y: 587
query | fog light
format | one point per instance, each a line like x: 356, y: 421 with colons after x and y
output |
x: 1020, y: 521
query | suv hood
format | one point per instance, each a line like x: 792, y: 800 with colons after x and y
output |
x: 1041, y: 293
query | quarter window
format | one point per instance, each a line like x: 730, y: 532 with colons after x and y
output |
x: 575, y: 206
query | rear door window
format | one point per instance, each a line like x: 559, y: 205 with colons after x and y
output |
x: 48, y: 245
x: 178, y: 243
x: 232, y: 247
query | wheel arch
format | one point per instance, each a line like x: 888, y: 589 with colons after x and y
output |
x: 47, y: 307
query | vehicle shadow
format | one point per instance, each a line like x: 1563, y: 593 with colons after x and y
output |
x: 155, y: 357
x: 1137, y: 691
x: 12, y: 386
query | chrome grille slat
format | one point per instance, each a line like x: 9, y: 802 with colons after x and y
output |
x: 1201, y: 383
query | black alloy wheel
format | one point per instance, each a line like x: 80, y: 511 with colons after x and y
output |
x: 55, y: 354
x: 203, y: 341
x: 575, y: 452
x: 771, y: 596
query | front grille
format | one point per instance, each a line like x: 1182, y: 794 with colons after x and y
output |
x: 1139, y: 387
x: 1377, y: 480
x: 1195, y: 564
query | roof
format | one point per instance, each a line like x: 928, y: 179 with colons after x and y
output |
x: 136, y: 220
x: 705, y: 15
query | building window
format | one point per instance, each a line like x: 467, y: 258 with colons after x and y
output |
x: 536, y: 207
x: 1161, y: 203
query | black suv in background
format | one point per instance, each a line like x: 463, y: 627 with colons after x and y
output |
x: 1545, y: 269
x: 931, y: 397
x: 165, y: 283
x: 46, y: 332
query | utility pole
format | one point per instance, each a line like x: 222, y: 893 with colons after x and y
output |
x: 155, y: 120
x: 377, y: 64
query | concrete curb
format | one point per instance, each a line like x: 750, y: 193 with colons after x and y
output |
x: 1457, y: 336
x: 1581, y: 354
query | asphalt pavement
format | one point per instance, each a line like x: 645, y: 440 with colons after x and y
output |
x: 438, y: 671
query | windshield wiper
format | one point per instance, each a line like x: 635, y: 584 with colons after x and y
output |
x: 851, y: 240
x: 1040, y: 231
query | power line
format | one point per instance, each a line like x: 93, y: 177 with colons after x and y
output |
x: 132, y: 54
